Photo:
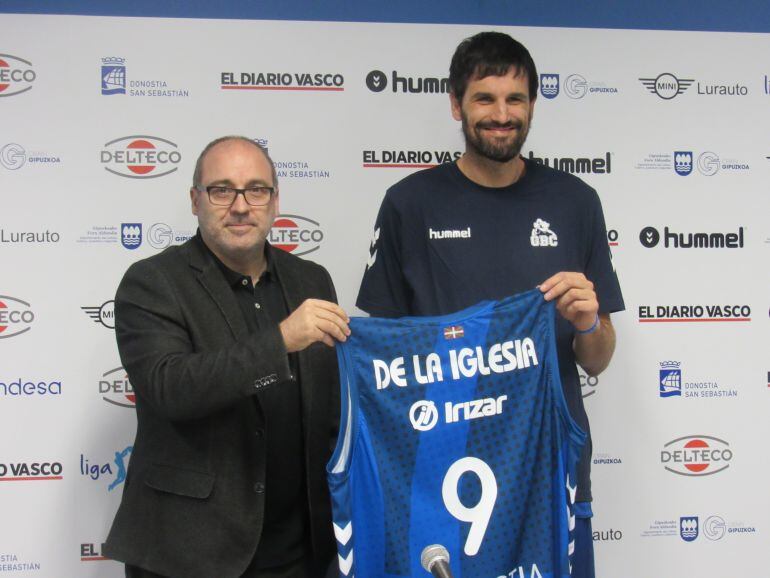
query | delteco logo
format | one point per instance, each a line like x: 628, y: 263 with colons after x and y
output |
x: 666, y: 85
x: 408, y: 159
x: 577, y: 165
x: 319, y: 81
x: 140, y: 157
x: 693, y: 313
x: 104, y: 314
x: 30, y: 471
x: 16, y: 75
x: 296, y: 234
x: 650, y: 237
x: 377, y: 81
x: 697, y: 455
x: 16, y: 316
x: 116, y: 388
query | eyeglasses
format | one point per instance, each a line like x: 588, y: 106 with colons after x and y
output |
x: 225, y: 196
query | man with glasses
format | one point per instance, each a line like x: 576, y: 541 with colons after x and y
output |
x: 237, y: 398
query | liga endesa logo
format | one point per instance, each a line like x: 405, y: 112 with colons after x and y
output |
x: 140, y: 157
x: 696, y: 455
x: 16, y: 316
x: 16, y: 75
x: 116, y: 389
x: 295, y: 234
x: 30, y: 471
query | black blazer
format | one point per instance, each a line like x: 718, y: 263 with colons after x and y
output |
x: 194, y: 498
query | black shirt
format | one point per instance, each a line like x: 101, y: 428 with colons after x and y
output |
x: 284, y: 529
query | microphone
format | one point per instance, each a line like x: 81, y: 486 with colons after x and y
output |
x: 435, y: 559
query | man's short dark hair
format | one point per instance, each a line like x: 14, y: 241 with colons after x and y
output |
x: 197, y: 184
x: 490, y: 54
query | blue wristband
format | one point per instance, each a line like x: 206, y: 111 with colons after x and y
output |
x: 591, y: 329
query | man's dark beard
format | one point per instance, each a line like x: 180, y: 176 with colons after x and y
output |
x: 501, y: 153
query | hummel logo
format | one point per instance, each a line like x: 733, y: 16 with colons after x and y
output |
x: 450, y: 234
x: 372, y: 249
x: 542, y: 236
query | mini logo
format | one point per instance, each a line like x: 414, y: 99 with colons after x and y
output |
x: 116, y: 388
x: 376, y: 81
x: 113, y: 75
x: 16, y: 75
x: 16, y: 316
x: 13, y: 156
x: 454, y: 332
x: 295, y: 234
x: 697, y: 455
x: 542, y: 235
x: 575, y: 86
x: 104, y: 314
x: 708, y: 163
x: 666, y: 85
x: 688, y: 528
x: 714, y: 528
x: 683, y: 162
x: 423, y: 415
x: 549, y: 85
x: 670, y: 379
x: 131, y: 235
x: 140, y: 157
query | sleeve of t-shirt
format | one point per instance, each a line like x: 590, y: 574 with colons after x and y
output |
x: 384, y: 291
x: 599, y: 269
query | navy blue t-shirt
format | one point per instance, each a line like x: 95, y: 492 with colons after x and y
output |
x: 443, y: 243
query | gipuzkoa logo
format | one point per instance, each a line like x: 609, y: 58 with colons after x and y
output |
x: 104, y: 314
x: 650, y: 237
x: 688, y: 528
x: 697, y: 455
x: 670, y: 379
x: 377, y: 81
x: 161, y: 235
x: 296, y: 234
x: 131, y: 235
x: 666, y: 85
x: 16, y: 316
x: 116, y: 389
x: 30, y: 471
x: 13, y: 156
x: 140, y: 157
x: 423, y: 415
x: 113, y: 75
x: 683, y: 162
x: 16, y: 75
x: 549, y: 85
x: 323, y: 81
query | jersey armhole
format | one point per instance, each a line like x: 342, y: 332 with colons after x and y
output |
x: 339, y: 463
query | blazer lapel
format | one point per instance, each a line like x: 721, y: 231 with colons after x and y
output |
x: 212, y: 280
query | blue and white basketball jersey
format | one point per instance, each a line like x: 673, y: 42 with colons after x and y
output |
x: 455, y: 431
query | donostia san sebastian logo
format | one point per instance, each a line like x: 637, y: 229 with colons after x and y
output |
x: 16, y: 316
x: 140, y: 157
x: 116, y: 388
x: 296, y: 234
x: 696, y: 455
x: 16, y: 75
x: 104, y: 314
x: 666, y: 85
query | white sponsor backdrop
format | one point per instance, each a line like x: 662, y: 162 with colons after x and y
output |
x: 59, y: 197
